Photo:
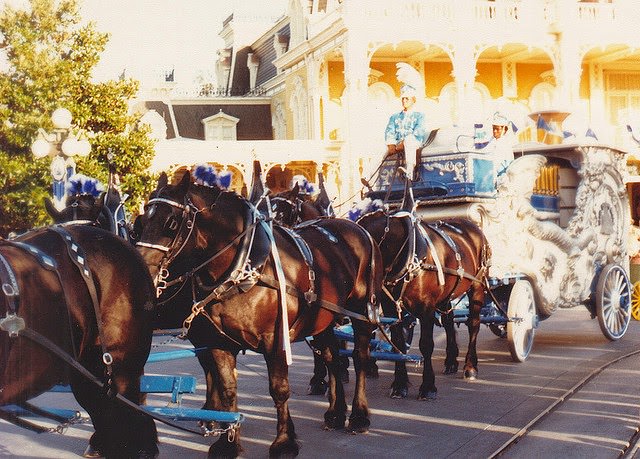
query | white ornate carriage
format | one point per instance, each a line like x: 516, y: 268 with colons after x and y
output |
x: 557, y: 222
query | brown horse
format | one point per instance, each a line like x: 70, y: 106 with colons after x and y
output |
x: 86, y: 298
x: 426, y: 266
x: 291, y: 208
x: 243, y: 274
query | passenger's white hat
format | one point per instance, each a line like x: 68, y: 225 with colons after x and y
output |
x: 499, y: 120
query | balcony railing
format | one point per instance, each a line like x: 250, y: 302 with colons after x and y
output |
x: 476, y: 15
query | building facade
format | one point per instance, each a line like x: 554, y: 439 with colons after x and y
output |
x: 313, y: 90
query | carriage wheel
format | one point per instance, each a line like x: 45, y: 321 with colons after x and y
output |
x: 522, y: 320
x: 613, y: 301
x: 635, y: 301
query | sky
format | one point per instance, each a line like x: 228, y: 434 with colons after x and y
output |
x: 149, y: 36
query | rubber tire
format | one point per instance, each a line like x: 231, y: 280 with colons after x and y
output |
x: 613, y: 301
x: 520, y: 333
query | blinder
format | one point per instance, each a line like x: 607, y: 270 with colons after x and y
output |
x: 179, y: 231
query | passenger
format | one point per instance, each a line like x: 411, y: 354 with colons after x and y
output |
x: 501, y: 145
x: 405, y: 131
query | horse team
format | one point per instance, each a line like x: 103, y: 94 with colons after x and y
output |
x: 215, y: 262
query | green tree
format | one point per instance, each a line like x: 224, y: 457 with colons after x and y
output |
x: 50, y: 56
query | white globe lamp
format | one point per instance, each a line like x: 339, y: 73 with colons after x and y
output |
x: 40, y: 148
x: 61, y: 118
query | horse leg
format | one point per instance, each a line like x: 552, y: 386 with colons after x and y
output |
x: 119, y: 430
x: 400, y: 384
x: 359, y: 420
x: 428, y: 389
x: 317, y: 384
x: 451, y: 360
x: 476, y: 301
x: 336, y: 415
x: 223, y: 396
x: 212, y: 398
x: 285, y: 443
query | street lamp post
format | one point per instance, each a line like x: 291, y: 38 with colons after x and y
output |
x: 62, y: 144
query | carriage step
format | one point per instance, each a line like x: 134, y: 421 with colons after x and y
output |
x: 62, y: 413
x: 391, y: 356
x: 150, y: 384
x: 194, y: 414
x: 157, y: 384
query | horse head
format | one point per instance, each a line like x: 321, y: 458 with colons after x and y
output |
x: 185, y: 226
x: 286, y: 206
x: 78, y: 208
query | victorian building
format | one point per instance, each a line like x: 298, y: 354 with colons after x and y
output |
x: 313, y: 90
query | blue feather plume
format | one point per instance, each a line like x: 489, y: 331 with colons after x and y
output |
x: 81, y: 184
x: 224, y: 179
x: 207, y: 175
x: 364, y: 207
x: 303, y: 183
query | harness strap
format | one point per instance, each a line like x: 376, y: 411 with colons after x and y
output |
x: 79, y: 258
x: 432, y: 248
x: 9, y: 286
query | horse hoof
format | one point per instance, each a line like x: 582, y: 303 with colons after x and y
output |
x: 92, y: 452
x: 427, y: 396
x: 358, y: 425
x: 317, y: 388
x: 450, y: 370
x: 470, y: 375
x: 333, y: 422
x: 401, y: 392
x: 288, y: 448
x: 223, y: 448
x: 372, y: 371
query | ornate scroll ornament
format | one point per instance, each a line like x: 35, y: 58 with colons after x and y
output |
x: 561, y: 262
x: 457, y: 168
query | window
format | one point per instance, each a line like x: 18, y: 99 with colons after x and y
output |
x: 220, y: 127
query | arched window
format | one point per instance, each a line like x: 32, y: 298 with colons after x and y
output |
x: 477, y: 102
x: 278, y: 121
x: 299, y: 108
x: 542, y: 97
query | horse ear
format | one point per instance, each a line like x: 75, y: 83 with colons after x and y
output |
x: 185, y: 181
x: 163, y: 181
x: 52, y: 211
x: 257, y: 187
x: 100, y: 200
x: 408, y: 202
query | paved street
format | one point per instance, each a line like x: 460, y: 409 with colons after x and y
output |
x: 469, y: 419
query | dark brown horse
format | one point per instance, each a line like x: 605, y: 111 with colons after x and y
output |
x: 243, y: 275
x: 426, y: 266
x: 85, y: 294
